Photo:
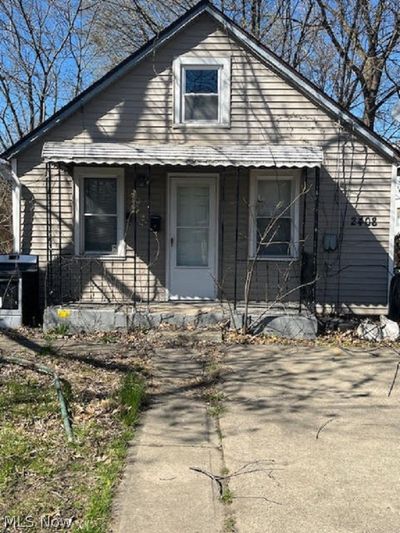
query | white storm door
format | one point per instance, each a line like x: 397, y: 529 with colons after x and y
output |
x: 192, y: 238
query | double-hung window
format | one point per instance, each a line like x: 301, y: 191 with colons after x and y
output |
x: 99, y: 212
x: 200, y: 94
x: 202, y: 91
x: 274, y: 213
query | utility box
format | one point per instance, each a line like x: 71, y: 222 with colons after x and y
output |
x: 19, y: 290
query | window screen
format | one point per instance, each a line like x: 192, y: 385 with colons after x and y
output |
x: 100, y: 214
x: 201, y: 95
x: 274, y: 217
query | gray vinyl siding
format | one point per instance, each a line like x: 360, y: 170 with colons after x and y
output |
x: 355, y: 181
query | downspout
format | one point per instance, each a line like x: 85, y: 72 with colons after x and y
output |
x: 11, y: 176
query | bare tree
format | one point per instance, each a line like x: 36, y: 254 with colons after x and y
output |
x: 122, y: 26
x: 42, y: 61
x: 6, y: 237
x: 366, y: 37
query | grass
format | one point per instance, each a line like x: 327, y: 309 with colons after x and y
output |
x: 14, y: 452
x: 213, y: 370
x: 230, y: 525
x: 98, y: 511
x: 23, y: 403
x: 25, y: 453
x: 60, y: 330
x: 131, y: 398
x: 41, y: 474
x: 227, y: 496
x: 215, y: 400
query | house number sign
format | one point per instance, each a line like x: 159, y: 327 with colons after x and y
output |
x: 364, y: 221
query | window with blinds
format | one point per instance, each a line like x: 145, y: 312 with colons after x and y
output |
x: 99, y: 220
x: 274, y: 217
x: 100, y: 215
x: 274, y: 198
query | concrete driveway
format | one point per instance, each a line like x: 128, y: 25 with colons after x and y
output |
x: 320, y: 429
x: 309, y: 437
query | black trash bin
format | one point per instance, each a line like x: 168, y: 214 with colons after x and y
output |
x: 19, y: 290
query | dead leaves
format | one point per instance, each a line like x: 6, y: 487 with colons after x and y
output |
x: 45, y: 466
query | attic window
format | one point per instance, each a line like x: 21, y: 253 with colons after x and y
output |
x: 202, y: 91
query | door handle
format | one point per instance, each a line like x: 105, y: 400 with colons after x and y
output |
x: 172, y: 241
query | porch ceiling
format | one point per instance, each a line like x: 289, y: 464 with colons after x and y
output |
x: 248, y: 155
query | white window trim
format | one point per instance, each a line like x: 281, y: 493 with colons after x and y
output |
x: 92, y: 172
x: 224, y: 95
x: 279, y: 174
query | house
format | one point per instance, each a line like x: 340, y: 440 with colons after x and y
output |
x: 203, y: 167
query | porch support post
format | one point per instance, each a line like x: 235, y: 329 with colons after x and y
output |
x: 303, y: 236
x: 134, y: 206
x: 222, y: 217
x: 49, y: 270
x: 148, y: 231
x: 59, y: 235
x: 315, y: 243
x: 236, y: 240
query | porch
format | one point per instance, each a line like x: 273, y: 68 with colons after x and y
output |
x: 151, y: 262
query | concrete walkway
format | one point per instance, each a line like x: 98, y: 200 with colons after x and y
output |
x: 159, y: 493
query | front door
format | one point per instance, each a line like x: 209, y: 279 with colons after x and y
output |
x: 192, y: 238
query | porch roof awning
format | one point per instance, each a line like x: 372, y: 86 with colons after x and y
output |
x: 248, y: 155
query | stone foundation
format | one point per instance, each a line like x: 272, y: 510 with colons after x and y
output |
x: 81, y: 318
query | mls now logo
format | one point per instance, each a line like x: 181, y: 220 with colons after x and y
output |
x: 16, y: 523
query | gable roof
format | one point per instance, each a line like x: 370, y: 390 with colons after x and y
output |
x: 265, y: 55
